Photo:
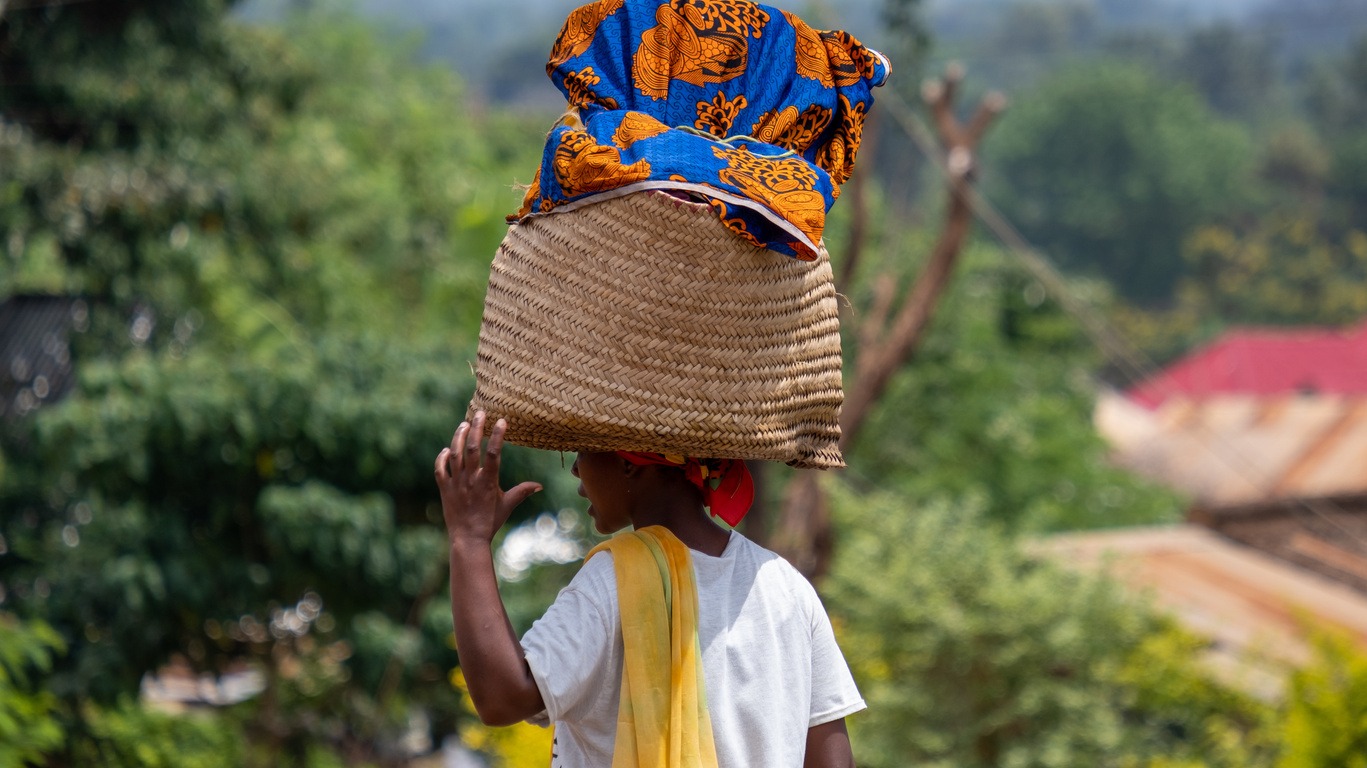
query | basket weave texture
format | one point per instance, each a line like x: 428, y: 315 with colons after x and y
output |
x: 641, y: 323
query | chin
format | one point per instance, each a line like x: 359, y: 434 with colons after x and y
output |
x: 604, y: 525
x: 608, y: 528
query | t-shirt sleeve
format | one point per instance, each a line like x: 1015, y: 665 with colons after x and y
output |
x: 569, y: 649
x: 834, y: 694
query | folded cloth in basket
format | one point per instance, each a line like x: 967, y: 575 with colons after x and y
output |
x: 741, y: 103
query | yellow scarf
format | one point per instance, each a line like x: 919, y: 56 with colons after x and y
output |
x: 662, y: 721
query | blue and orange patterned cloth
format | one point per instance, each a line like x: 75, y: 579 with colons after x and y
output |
x: 742, y: 104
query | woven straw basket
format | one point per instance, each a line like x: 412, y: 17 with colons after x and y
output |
x: 641, y: 323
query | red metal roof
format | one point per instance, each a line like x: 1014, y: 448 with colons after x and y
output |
x: 1266, y: 362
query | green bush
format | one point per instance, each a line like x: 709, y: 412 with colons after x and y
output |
x: 29, y: 725
x: 969, y: 652
x: 1325, y: 722
x: 972, y: 653
x: 128, y: 735
x: 1179, y: 715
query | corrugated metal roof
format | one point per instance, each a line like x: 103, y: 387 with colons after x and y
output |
x: 1239, y: 449
x: 1328, y: 536
x: 35, y: 354
x: 1265, y: 362
x: 1257, y: 610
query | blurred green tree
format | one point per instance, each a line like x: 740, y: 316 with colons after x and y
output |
x: 1336, y: 100
x: 1287, y: 269
x: 282, y: 236
x: 1233, y: 69
x: 1348, y: 183
x: 972, y: 654
x: 998, y: 408
x: 1108, y: 169
x: 1032, y: 39
x: 29, y: 722
x: 1326, y: 716
x: 1336, y: 92
x: 164, y: 160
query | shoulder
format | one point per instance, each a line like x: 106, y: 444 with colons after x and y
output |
x: 596, y: 576
x: 589, y: 600
x: 774, y: 573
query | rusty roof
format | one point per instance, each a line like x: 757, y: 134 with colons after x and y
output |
x: 1240, y: 449
x: 1257, y: 611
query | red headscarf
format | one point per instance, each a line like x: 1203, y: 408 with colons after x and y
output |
x: 726, y: 485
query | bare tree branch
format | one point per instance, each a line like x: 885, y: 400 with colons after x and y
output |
x: 804, y: 533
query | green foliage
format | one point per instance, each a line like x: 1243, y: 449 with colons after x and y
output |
x: 972, y: 653
x: 1232, y: 69
x: 1287, y: 269
x: 1108, y: 169
x: 1295, y: 164
x: 968, y: 652
x: 1297, y: 256
x: 1348, y: 183
x: 1037, y: 37
x: 1336, y: 94
x: 228, y: 188
x: 909, y: 39
x: 1326, y: 717
x: 29, y: 724
x: 283, y: 237
x: 180, y: 506
x: 1178, y: 714
x: 129, y: 736
x: 996, y: 409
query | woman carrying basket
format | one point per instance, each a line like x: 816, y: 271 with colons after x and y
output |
x: 664, y: 295
x: 775, y: 687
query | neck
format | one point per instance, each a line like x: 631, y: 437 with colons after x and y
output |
x: 680, y: 510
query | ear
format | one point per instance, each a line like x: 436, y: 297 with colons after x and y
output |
x: 630, y: 469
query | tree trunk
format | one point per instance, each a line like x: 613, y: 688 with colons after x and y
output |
x: 804, y: 535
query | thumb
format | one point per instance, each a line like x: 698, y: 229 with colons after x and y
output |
x: 519, y: 493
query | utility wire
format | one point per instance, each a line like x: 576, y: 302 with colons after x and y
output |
x: 1135, y: 364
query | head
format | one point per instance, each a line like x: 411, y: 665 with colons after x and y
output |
x: 604, y: 480
x: 623, y: 493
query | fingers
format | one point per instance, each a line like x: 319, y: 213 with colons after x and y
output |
x: 472, y: 439
x: 462, y: 456
x: 457, y: 455
x: 493, y: 452
x: 440, y: 468
x: 519, y: 493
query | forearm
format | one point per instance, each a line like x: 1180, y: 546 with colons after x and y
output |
x: 500, y: 682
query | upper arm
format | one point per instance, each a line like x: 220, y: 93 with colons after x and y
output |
x: 834, y: 692
x: 572, y: 649
x: 828, y: 746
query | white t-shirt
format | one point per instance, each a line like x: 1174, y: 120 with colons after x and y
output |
x: 770, y: 661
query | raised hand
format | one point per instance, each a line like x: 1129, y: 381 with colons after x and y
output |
x: 472, y: 502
